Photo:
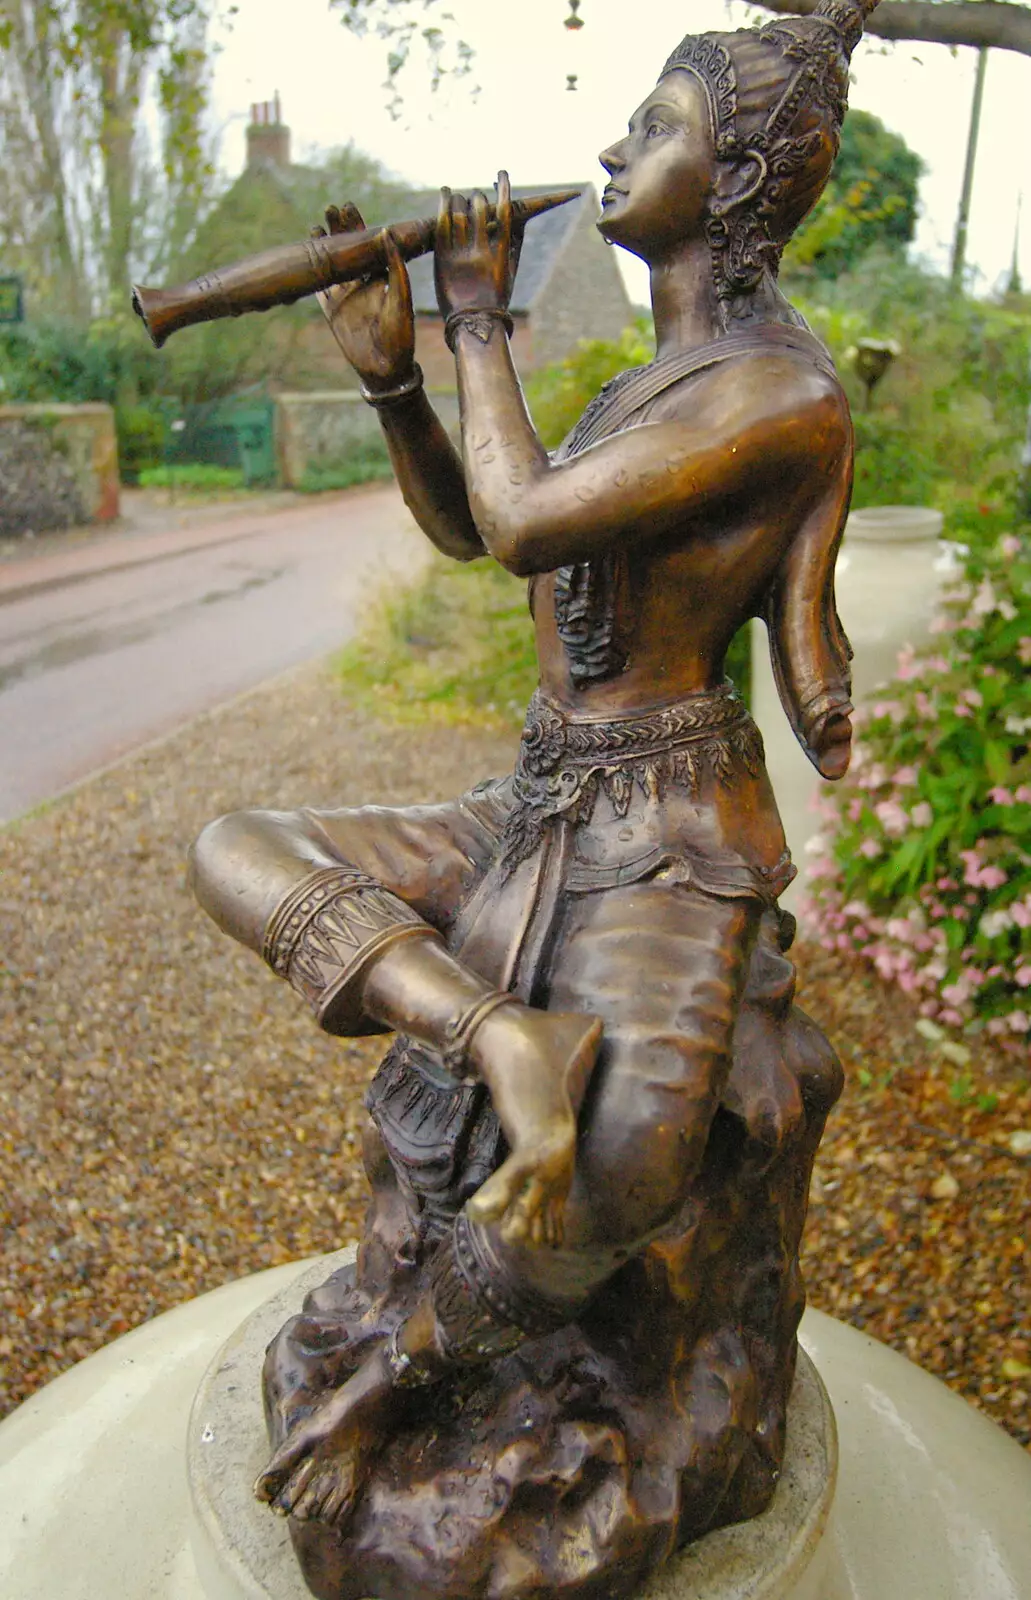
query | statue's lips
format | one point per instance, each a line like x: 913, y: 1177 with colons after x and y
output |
x: 610, y: 193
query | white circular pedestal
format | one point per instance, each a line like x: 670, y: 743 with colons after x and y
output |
x: 933, y: 1501
x: 243, y: 1552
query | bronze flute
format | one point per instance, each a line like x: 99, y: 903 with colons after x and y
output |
x: 289, y: 272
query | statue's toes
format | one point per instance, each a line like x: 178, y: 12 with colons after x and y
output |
x: 280, y: 1486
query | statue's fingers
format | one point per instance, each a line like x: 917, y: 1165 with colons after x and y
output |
x: 333, y: 219
x: 445, y: 231
x: 460, y: 220
x: 319, y: 232
x: 480, y: 217
x: 504, y: 210
x: 351, y: 218
x: 397, y: 277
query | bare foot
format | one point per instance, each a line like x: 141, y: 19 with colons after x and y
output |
x: 536, y: 1065
x: 319, y: 1470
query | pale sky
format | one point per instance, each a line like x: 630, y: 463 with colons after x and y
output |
x: 525, y: 119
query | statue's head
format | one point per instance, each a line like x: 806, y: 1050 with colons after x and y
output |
x: 737, y: 140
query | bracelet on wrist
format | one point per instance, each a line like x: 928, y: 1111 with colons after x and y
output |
x: 480, y: 322
x: 392, y: 397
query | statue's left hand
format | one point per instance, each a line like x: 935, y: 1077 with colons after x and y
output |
x: 475, y: 261
x: 372, y: 321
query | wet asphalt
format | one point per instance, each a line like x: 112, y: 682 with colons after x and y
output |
x: 95, y: 663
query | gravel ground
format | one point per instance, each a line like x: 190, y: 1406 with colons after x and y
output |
x: 170, y: 1119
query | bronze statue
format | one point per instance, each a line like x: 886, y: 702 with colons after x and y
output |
x: 569, y: 1339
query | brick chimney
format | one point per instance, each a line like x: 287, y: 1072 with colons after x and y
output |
x: 268, y: 137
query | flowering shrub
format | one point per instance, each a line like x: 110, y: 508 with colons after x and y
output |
x: 924, y: 865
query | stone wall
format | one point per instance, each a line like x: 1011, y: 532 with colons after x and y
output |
x: 58, y: 467
x: 323, y: 430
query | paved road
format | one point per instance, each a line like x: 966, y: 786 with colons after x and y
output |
x: 111, y: 644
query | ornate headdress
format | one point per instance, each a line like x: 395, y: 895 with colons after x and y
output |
x: 778, y: 96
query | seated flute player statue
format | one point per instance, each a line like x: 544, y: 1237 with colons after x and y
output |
x: 569, y: 1339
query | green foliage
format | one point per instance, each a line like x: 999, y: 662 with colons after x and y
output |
x: 192, y: 477
x: 948, y: 421
x: 871, y: 199
x: 103, y: 156
x: 53, y: 359
x: 927, y: 871
x: 369, y: 464
x: 141, y: 440
x: 456, y: 646
x: 558, y: 395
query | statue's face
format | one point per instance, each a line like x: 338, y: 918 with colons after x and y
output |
x: 662, y: 174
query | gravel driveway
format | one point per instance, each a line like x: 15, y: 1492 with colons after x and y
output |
x: 170, y: 1118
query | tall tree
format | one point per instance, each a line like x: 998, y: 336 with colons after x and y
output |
x: 102, y: 149
x: 871, y: 199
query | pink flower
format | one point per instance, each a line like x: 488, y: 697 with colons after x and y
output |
x: 891, y: 817
x: 1009, y: 545
x: 993, y: 878
x: 972, y: 867
x: 924, y: 707
x: 1019, y: 1021
x: 855, y: 809
x: 1020, y: 911
x: 984, y: 602
x: 1024, y: 650
x: 1000, y: 796
x: 972, y: 697
x: 1023, y: 977
x: 905, y: 777
x: 922, y: 815
x: 1023, y: 794
x: 962, y: 711
x: 953, y: 1018
x: 870, y: 848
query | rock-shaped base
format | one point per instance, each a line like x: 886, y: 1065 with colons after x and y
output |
x: 242, y: 1551
x: 577, y: 1466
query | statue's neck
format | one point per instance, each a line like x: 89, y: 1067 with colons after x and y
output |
x: 686, y: 307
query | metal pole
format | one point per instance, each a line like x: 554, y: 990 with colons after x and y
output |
x: 959, y: 246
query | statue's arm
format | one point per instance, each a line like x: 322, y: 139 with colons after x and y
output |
x: 374, y: 325
x: 751, y: 423
x: 430, y: 475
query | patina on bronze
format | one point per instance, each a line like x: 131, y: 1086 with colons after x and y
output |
x: 569, y: 1341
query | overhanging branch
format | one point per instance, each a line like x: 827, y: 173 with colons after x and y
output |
x: 994, y: 24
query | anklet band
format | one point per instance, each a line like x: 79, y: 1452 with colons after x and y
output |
x: 459, y: 1034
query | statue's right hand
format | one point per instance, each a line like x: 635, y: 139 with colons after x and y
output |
x: 372, y: 322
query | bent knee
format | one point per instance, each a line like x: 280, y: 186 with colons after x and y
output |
x: 647, y: 1131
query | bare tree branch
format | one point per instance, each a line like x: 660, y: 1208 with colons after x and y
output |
x: 995, y: 24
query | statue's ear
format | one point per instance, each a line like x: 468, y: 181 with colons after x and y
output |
x: 737, y: 182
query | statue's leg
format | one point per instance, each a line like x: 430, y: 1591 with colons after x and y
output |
x: 355, y: 909
x: 665, y: 969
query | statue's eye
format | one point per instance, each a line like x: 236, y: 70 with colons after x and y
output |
x: 655, y: 130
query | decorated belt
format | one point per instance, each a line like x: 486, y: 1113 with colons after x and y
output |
x: 564, y: 762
